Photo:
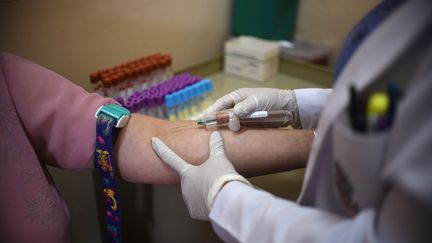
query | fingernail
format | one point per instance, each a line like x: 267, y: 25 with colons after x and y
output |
x: 154, y: 141
x: 215, y: 135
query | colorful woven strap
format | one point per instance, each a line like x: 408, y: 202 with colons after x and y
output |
x: 104, y: 163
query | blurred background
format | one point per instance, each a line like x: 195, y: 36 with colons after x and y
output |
x: 76, y: 38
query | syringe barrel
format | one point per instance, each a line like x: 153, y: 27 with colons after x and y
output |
x: 269, y: 119
x: 273, y: 119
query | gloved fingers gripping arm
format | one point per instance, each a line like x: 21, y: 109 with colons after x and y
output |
x: 200, y: 184
x: 248, y: 100
x: 169, y: 157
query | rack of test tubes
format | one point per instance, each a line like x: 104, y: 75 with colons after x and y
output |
x: 124, y: 79
x: 154, y: 91
x: 180, y: 98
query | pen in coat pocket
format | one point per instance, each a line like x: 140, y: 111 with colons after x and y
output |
x: 357, y: 111
x: 377, y: 111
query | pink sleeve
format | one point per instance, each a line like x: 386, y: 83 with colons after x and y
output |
x: 58, y: 116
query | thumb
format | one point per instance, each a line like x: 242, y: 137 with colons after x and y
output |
x: 168, y: 156
x: 216, y: 144
x: 222, y: 103
x: 247, y: 106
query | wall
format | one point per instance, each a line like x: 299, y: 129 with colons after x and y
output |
x: 77, y: 37
x: 328, y: 22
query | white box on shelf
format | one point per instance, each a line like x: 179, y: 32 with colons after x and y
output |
x: 251, y: 57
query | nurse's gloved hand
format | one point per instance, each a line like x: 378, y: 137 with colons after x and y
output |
x: 200, y: 184
x: 248, y: 100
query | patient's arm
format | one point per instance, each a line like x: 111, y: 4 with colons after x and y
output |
x: 253, y: 152
x: 58, y: 118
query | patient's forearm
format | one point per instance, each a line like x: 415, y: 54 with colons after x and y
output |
x: 252, y: 151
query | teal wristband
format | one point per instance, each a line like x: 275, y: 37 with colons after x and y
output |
x: 120, y: 114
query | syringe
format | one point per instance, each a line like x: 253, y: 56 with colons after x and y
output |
x: 213, y: 120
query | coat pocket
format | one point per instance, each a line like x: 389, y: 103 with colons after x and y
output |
x: 357, y: 162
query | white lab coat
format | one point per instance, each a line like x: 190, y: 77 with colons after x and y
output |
x: 310, y: 103
x: 388, y: 174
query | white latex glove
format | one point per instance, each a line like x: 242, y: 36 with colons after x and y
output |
x: 200, y: 184
x: 248, y: 100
